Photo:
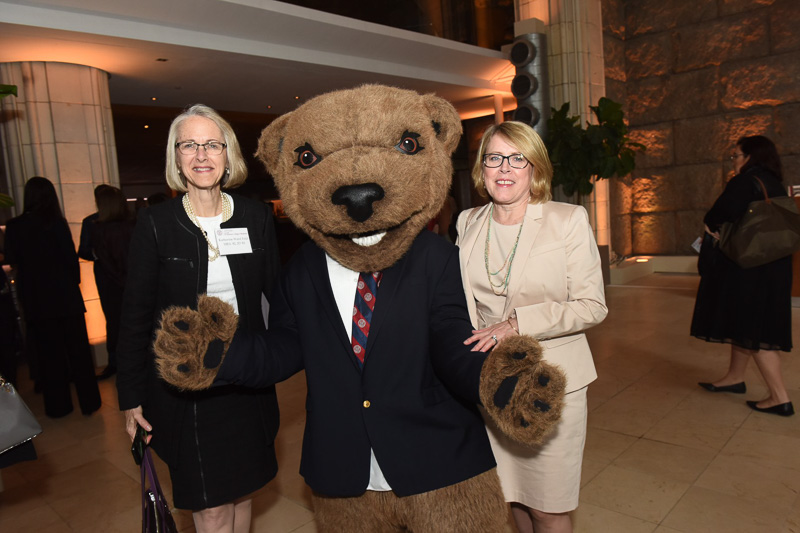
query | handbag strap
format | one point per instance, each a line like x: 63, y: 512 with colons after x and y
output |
x: 143, y: 469
x: 149, y: 475
x: 763, y: 189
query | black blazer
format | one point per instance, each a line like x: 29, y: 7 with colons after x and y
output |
x: 415, y: 401
x: 168, y: 266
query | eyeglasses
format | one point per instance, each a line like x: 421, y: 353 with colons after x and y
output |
x: 496, y: 160
x: 190, y: 148
x: 735, y: 155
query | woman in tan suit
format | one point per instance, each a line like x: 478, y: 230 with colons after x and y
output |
x: 531, y: 266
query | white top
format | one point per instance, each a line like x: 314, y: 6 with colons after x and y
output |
x: 343, y: 283
x: 220, y: 281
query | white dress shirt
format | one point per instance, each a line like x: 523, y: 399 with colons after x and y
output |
x: 343, y: 283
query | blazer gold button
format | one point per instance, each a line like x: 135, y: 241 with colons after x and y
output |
x: 366, y: 404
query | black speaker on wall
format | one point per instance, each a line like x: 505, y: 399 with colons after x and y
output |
x: 530, y: 87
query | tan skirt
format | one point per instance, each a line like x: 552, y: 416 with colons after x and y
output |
x: 548, y: 477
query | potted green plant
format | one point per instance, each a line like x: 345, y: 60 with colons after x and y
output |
x: 598, y: 151
x: 5, y: 90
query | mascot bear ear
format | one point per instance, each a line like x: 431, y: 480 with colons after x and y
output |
x: 270, y: 144
x: 445, y: 120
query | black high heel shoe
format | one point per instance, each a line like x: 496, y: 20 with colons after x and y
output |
x: 782, y: 409
x: 736, y: 388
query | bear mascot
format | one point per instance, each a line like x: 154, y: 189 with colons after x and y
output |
x: 394, y: 439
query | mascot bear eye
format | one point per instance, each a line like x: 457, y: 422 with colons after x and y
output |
x: 409, y: 143
x: 306, y: 157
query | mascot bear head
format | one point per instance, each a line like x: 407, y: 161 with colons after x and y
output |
x: 363, y: 170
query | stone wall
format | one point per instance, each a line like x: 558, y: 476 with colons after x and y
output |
x: 693, y: 77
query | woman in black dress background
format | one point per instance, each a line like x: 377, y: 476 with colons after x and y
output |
x: 107, y: 243
x: 750, y: 309
x: 39, y: 244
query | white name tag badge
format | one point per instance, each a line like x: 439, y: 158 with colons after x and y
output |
x: 233, y: 241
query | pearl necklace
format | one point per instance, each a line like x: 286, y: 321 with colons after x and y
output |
x: 503, y: 285
x: 226, y: 215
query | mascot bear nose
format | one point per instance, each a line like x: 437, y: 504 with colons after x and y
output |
x: 358, y: 199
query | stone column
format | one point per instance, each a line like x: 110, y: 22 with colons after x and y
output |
x: 577, y: 72
x: 60, y: 127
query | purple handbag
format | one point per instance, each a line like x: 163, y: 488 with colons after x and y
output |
x: 156, y: 516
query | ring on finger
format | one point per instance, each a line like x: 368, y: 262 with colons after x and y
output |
x: 494, y: 338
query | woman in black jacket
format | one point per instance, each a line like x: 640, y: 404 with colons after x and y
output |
x: 748, y: 308
x: 39, y: 244
x: 219, y: 443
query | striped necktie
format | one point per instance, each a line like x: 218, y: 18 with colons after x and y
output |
x: 364, y: 304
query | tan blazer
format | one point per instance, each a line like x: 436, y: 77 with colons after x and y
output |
x: 556, y: 283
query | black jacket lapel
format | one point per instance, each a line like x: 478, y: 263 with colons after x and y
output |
x: 318, y: 273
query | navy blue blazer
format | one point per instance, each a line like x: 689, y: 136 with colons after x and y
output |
x: 414, y: 402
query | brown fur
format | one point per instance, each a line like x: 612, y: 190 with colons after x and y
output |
x: 474, y: 505
x: 355, y: 133
x: 183, y: 340
x: 520, y: 357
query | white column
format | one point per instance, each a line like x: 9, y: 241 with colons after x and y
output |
x: 498, y: 108
x: 60, y: 127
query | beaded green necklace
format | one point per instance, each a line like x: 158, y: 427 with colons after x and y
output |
x: 503, y: 285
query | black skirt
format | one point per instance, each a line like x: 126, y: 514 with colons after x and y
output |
x: 225, y: 452
x: 750, y: 308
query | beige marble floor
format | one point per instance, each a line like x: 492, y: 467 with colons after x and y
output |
x: 662, y: 455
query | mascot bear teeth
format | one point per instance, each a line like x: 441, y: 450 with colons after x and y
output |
x: 369, y: 240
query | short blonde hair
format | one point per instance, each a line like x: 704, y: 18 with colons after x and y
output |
x: 237, y: 168
x: 529, y: 144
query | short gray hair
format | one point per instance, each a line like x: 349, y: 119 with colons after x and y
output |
x: 236, y: 162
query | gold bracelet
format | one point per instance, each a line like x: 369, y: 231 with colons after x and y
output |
x: 512, y: 325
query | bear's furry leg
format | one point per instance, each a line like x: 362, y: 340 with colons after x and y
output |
x: 372, y: 512
x: 474, y: 505
x: 523, y: 394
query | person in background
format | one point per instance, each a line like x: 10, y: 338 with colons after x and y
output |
x: 85, y: 241
x: 39, y: 245
x: 218, y: 443
x: 748, y: 308
x: 109, y: 240
x: 86, y: 253
x: 531, y: 266
x: 11, y: 344
x: 9, y: 348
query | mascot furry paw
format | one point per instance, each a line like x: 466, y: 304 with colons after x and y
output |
x: 523, y: 394
x: 393, y: 439
x: 192, y: 344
